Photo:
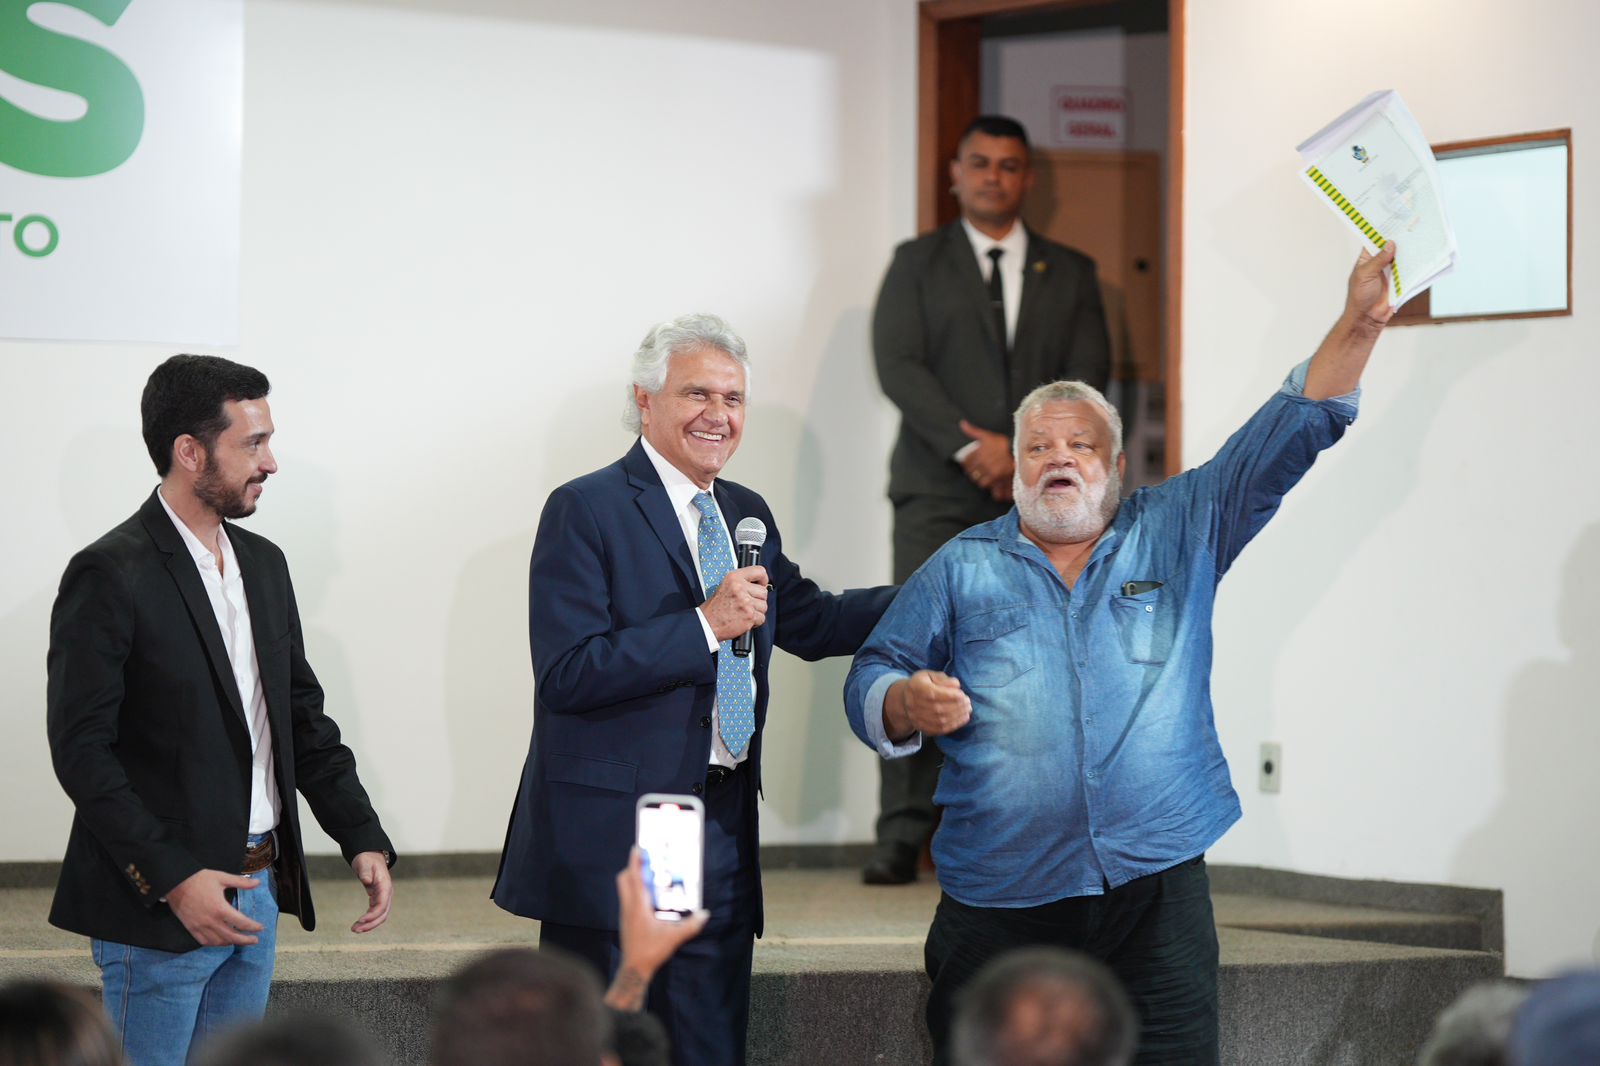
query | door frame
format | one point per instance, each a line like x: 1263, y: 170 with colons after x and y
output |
x: 948, y: 37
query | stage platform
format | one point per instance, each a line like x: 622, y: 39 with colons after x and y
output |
x: 1314, y: 970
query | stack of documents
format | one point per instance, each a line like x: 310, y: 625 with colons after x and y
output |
x: 1373, y: 166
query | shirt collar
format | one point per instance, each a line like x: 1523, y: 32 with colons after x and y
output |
x: 680, y: 490
x: 204, y: 557
x: 1015, y: 242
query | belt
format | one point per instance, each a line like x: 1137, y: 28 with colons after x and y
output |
x: 261, y: 856
x: 716, y: 775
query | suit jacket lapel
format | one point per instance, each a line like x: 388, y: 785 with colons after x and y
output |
x: 962, y: 265
x: 1036, y: 275
x: 652, y: 500
x: 180, y: 564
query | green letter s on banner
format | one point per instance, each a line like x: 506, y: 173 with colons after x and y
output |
x: 107, y: 134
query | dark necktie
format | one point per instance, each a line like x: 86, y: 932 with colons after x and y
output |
x: 997, y: 303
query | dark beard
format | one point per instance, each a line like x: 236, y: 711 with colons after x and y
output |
x: 225, y: 501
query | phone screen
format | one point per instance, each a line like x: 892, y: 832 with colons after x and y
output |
x: 671, y: 839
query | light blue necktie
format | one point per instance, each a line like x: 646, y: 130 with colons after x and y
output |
x: 736, y: 705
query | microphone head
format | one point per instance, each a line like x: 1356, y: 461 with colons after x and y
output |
x: 750, y: 531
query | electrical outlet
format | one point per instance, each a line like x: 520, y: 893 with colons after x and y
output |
x: 1271, y: 766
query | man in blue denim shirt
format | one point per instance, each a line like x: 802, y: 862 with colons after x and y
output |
x: 1062, y: 654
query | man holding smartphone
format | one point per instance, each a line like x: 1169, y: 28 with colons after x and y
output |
x: 634, y: 605
x: 1061, y: 654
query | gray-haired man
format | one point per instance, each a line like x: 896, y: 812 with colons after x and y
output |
x: 632, y: 608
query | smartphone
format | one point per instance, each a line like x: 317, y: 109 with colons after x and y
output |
x: 672, y: 838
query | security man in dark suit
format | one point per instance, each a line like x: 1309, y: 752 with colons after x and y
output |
x: 633, y: 599
x: 182, y: 718
x: 970, y: 319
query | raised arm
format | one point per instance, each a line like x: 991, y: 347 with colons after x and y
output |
x: 1336, y: 367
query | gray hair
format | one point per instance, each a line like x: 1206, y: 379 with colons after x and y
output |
x: 679, y: 336
x: 1066, y: 392
x: 1475, y: 1030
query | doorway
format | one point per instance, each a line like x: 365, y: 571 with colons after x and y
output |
x: 1107, y: 127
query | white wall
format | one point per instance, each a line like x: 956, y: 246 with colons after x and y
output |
x: 1418, y: 626
x: 459, y: 217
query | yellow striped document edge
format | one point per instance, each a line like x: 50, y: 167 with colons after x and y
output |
x: 1348, y: 210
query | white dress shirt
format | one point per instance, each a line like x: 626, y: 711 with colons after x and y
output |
x: 225, y: 589
x: 681, y: 491
x: 1015, y: 245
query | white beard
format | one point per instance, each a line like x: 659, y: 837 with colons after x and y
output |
x: 1068, y: 519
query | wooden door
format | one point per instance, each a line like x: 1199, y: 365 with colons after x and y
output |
x: 1108, y: 206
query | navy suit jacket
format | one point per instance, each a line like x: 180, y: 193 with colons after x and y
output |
x: 625, y: 683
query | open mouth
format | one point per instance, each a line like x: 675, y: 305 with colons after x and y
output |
x: 709, y: 438
x: 1059, y: 483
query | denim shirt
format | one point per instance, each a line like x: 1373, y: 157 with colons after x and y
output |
x: 1091, y: 757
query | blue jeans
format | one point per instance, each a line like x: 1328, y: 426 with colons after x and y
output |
x: 164, y: 1002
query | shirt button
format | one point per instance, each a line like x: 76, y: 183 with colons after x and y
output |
x: 1095, y: 834
x: 1083, y: 662
x: 705, y: 721
x: 1149, y: 608
x: 1088, y: 773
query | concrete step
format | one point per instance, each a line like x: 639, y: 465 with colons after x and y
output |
x: 838, y: 977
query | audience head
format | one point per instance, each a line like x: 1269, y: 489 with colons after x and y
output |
x: 185, y: 395
x: 1559, y: 1025
x: 294, y: 1039
x: 991, y: 174
x: 1044, y: 1007
x: 46, y: 1024
x: 520, y: 1007
x: 1475, y: 1029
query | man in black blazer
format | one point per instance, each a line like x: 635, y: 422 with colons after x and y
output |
x: 182, y: 717
x: 970, y: 319
x: 637, y: 687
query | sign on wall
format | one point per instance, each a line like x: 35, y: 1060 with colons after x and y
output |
x: 1090, y: 116
x: 120, y: 126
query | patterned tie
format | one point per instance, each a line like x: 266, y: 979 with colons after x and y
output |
x: 736, y: 705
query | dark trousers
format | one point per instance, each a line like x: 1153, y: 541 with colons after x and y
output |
x: 905, y: 786
x: 1156, y: 934
x: 702, y: 995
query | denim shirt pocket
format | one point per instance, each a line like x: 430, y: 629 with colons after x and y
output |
x: 1143, y: 626
x: 993, y: 648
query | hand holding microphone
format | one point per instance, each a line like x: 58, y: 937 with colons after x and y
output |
x: 740, y: 603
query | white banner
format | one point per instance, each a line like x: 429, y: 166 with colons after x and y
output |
x: 120, y: 126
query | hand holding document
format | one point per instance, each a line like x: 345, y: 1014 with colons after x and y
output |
x: 1373, y: 166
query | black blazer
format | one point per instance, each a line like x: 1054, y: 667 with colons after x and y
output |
x: 149, y: 738
x: 625, y: 684
x: 939, y: 358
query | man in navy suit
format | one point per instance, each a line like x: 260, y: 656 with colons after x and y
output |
x: 633, y: 603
